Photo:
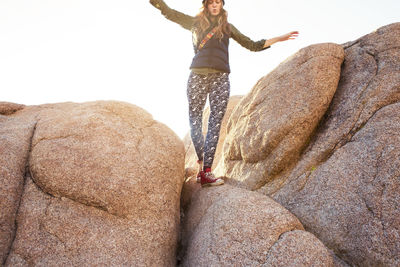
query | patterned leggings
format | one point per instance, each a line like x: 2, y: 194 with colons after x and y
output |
x: 217, y: 86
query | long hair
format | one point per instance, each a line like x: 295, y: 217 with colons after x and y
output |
x: 202, y: 23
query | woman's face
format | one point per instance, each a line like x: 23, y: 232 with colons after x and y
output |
x: 214, y: 7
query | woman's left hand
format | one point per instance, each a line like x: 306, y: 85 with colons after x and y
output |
x: 289, y: 36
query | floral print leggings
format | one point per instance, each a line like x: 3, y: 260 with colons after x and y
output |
x: 217, y: 87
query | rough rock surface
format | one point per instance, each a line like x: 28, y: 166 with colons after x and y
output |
x: 298, y: 248
x: 191, y: 157
x: 341, y: 176
x: 228, y: 226
x: 15, y: 139
x: 275, y: 121
x: 360, y: 180
x: 99, y: 188
x: 328, y: 166
x: 7, y: 108
x: 345, y: 189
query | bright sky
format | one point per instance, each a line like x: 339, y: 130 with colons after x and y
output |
x: 83, y: 50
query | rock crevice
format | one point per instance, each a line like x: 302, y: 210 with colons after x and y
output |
x: 23, y: 152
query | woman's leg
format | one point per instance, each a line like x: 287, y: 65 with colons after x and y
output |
x: 197, y: 96
x: 219, y: 97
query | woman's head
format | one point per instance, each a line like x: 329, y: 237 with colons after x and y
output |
x: 213, y: 12
x: 213, y: 7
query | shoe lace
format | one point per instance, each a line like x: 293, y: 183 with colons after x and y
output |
x: 210, y: 175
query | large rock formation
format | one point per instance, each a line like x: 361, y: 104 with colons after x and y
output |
x: 98, y: 190
x: 345, y: 189
x: 91, y: 184
x: 7, y: 108
x: 15, y: 140
x: 351, y: 201
x: 227, y: 226
x: 328, y: 165
x: 266, y: 135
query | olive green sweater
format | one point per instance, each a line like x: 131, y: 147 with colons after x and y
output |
x: 187, y: 22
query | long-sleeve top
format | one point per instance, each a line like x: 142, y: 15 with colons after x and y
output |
x: 209, y: 57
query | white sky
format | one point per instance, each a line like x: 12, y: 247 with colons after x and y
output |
x: 83, y: 50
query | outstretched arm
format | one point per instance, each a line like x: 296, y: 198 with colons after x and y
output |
x: 245, y: 41
x: 285, y: 37
x: 182, y: 19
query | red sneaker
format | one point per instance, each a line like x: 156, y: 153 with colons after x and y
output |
x: 208, y: 179
x: 198, y: 178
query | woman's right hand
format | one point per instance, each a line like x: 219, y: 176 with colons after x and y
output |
x: 154, y: 2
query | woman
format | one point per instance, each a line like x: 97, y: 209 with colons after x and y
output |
x: 210, y: 74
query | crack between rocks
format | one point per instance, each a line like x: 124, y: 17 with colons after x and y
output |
x: 52, y: 138
x: 291, y: 167
x: 349, y: 135
x: 391, y: 48
x: 44, y: 229
x: 294, y: 229
x: 372, y: 78
x: 276, y: 242
x: 351, y: 44
x: 369, y: 208
x: 140, y: 130
x: 91, y: 205
x: 354, y: 130
x: 253, y: 106
x: 22, y: 192
x: 342, y: 143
